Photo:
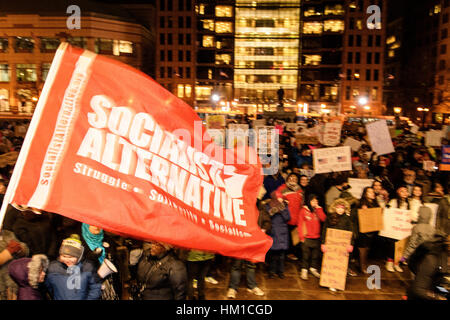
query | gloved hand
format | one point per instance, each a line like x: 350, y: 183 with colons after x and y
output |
x: 349, y: 249
x: 323, y: 248
x: 14, y: 247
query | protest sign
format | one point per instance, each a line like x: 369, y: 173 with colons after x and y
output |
x: 332, y: 159
x: 291, y: 127
x: 109, y: 146
x: 358, y: 185
x: 352, y: 143
x: 237, y: 135
x: 433, y: 138
x: 379, y: 137
x: 370, y: 220
x: 335, y: 260
x: 396, y: 224
x: 400, y: 247
x: 266, y: 139
x: 332, y: 133
x: 414, y: 129
x: 302, y: 139
x: 306, y: 172
x: 259, y: 123
x: 445, y: 164
x: 215, y: 121
x: 429, y: 165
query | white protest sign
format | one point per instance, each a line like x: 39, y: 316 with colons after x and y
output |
x: 237, y: 135
x: 352, y: 143
x: 429, y: 165
x: 259, y: 123
x: 332, y: 133
x: 218, y: 136
x: 380, y: 138
x: 397, y: 224
x: 358, y: 185
x: 332, y: 159
x: 433, y: 138
x: 414, y: 129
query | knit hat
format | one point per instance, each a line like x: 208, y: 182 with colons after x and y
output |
x: 72, y: 246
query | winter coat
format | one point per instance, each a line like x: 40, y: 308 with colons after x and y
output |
x: 443, y: 215
x: 196, y: 255
x: 344, y: 223
x: 280, y: 231
x: 264, y: 219
x: 310, y: 222
x: 295, y: 201
x: 19, y: 272
x: 421, y: 232
x: 37, y: 231
x: 271, y: 184
x: 5, y: 279
x: 164, y: 277
x: 429, y: 264
x: 86, y: 286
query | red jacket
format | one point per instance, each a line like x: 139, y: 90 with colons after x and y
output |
x: 295, y: 199
x: 309, y: 223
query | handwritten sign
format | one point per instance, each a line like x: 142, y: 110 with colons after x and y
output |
x: 358, y: 185
x: 433, y: 138
x: 396, y: 224
x: 335, y: 259
x: 379, y: 137
x: 370, y: 220
x: 332, y: 133
x: 332, y: 159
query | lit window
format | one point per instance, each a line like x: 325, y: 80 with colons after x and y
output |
x: 355, y: 92
x: 23, y: 44
x: 180, y: 91
x: 203, y: 92
x: 210, y: 74
x: 312, y: 27
x: 4, y: 73
x: 104, y: 46
x: 224, y: 11
x: 4, y: 99
x: 208, y: 25
x: 77, y: 41
x: 45, y: 69
x: 337, y: 9
x: 223, y: 58
x: 312, y: 59
x: 26, y: 72
x: 121, y: 47
x: 311, y: 12
x: 208, y: 41
x: 334, y: 25
x: 224, y: 27
x: 390, y: 40
x: 3, y: 44
x: 359, y: 24
x: 188, y: 90
x: 201, y: 9
x: 49, y: 44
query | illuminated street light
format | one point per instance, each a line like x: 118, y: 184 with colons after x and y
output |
x: 363, y: 100
x: 34, y: 99
x: 420, y: 109
x: 367, y: 108
x: 215, y: 97
x: 397, y: 110
x: 323, y: 106
x: 426, y: 109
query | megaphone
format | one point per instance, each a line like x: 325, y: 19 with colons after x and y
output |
x: 106, y: 269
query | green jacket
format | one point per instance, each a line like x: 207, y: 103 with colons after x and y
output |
x: 195, y: 255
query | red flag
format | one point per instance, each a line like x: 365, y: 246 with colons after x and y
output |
x: 109, y: 146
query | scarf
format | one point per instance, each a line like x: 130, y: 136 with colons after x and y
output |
x: 94, y: 241
x: 292, y: 186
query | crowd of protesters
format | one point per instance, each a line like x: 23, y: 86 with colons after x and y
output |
x: 47, y: 256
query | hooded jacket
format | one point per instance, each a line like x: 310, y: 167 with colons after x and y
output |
x: 295, y: 203
x: 64, y: 285
x: 421, y: 232
x: 24, y: 272
x: 309, y: 223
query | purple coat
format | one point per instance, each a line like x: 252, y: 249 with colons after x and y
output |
x: 18, y: 271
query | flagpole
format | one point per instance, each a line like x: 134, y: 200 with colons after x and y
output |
x: 23, y: 155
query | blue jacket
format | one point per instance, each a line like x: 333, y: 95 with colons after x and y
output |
x: 83, y: 286
x: 301, y: 159
x: 279, y: 231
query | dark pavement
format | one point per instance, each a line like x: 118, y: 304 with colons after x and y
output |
x: 292, y: 287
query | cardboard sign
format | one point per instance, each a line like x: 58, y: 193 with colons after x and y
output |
x: 294, y: 237
x: 429, y: 165
x: 302, y: 139
x: 332, y: 133
x: 370, y: 219
x: 352, y: 143
x: 332, y: 159
x: 396, y: 224
x: 445, y: 164
x: 215, y: 121
x: 433, y: 138
x: 335, y: 259
x: 379, y: 137
x: 358, y: 185
x: 400, y: 247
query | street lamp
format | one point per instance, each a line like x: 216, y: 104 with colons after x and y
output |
x: 397, y: 110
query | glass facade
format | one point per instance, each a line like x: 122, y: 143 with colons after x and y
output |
x: 266, y: 50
